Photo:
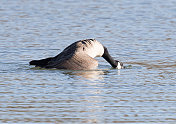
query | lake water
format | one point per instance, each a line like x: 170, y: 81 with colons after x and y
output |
x: 140, y: 33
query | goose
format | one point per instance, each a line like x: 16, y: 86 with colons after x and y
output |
x: 79, y: 56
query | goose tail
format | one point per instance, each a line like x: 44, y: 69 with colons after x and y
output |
x: 40, y: 63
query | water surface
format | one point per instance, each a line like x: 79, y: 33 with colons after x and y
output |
x: 139, y: 33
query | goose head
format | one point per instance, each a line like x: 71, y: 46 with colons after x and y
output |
x: 119, y: 64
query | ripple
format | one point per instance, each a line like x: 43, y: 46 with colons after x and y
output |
x: 141, y: 34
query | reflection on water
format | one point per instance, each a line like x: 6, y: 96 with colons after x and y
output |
x: 90, y: 75
x: 139, y: 33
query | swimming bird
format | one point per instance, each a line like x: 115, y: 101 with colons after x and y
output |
x: 79, y: 56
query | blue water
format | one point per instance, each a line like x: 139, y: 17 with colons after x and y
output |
x: 139, y: 33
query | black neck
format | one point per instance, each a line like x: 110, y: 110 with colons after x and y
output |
x: 108, y: 58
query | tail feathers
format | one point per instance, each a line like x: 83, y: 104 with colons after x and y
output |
x: 40, y: 63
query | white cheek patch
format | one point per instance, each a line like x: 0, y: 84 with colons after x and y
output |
x: 119, y: 66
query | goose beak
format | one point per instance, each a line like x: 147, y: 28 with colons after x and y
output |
x: 110, y: 60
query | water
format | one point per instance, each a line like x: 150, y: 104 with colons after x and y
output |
x: 139, y: 33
